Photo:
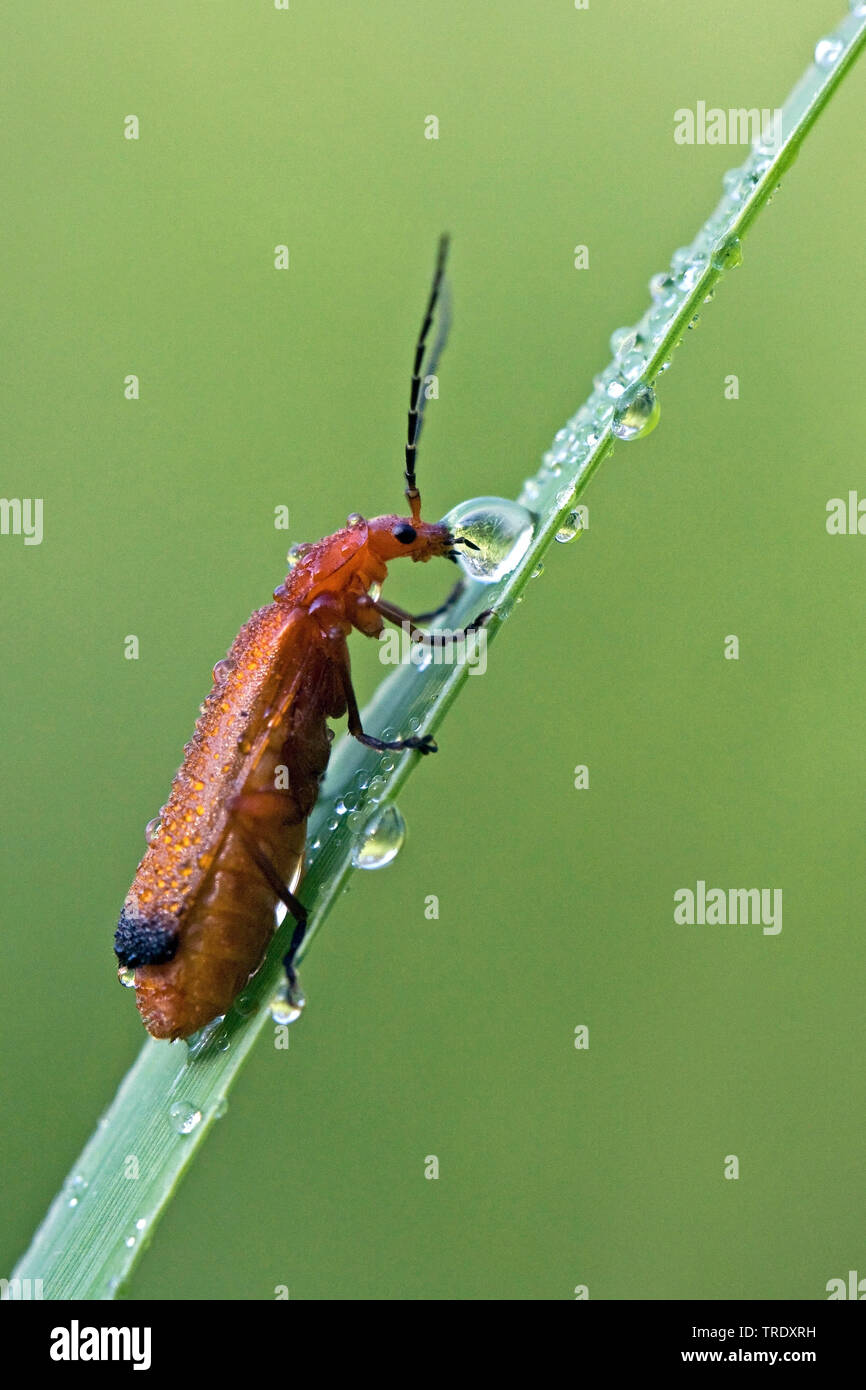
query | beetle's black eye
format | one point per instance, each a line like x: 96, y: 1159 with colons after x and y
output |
x: 405, y: 533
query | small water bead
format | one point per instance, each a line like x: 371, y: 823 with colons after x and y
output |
x: 245, y: 1005
x: 76, y: 1188
x: 663, y: 287
x: 538, y: 571
x: 221, y: 1107
x: 184, y: 1117
x: 152, y: 829
x: 355, y: 820
x: 530, y: 491
x: 287, y: 1004
x: 126, y: 976
x: 223, y: 670
x: 728, y: 254
x: 565, y: 496
x: 732, y: 183
x: 376, y: 790
x: 633, y: 364
x: 570, y: 528
x: 638, y: 413
x: 501, y: 529
x: 381, y: 839
x: 828, y: 51
x: 354, y: 519
x: 622, y: 341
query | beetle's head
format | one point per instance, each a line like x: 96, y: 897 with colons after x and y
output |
x: 391, y: 537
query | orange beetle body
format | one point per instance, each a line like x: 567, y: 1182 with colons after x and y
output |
x: 199, y: 916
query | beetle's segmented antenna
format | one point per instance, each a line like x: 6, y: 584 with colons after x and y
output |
x: 416, y: 399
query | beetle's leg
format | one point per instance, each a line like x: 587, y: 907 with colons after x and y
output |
x: 443, y: 607
x: 293, y: 904
x: 424, y: 744
x: 400, y: 616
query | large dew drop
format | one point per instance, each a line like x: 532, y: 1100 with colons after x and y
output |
x: 381, y: 839
x: 637, y: 413
x: 502, y: 531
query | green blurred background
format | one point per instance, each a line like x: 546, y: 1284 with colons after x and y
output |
x: 258, y: 388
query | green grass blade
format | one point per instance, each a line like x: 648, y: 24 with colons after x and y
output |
x: 101, y: 1221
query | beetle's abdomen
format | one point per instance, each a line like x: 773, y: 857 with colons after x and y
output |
x: 224, y: 937
x: 200, y: 914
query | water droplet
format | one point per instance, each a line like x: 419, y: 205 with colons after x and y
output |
x: 501, y: 529
x: 223, y: 670
x: 288, y: 1003
x: 622, y: 341
x: 638, y: 413
x: 152, y: 829
x: 828, y: 51
x: 632, y: 365
x: 126, y: 976
x: 732, y: 182
x: 569, y: 529
x: 381, y: 839
x: 662, y: 287
x: 245, y: 1005
x: 354, y: 519
x: 197, y: 1042
x: 184, y: 1117
x: 76, y: 1188
x: 129, y: 1242
x: 728, y: 254
x: 141, y: 1223
x: 530, y: 491
x: 221, y: 1107
x: 296, y: 553
x: 538, y: 571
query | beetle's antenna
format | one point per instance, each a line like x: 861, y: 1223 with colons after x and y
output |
x: 416, y: 400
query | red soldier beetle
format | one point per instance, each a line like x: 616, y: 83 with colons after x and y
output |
x: 199, y: 917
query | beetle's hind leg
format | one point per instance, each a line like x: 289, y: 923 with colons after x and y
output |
x: 424, y: 744
x: 292, y: 904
